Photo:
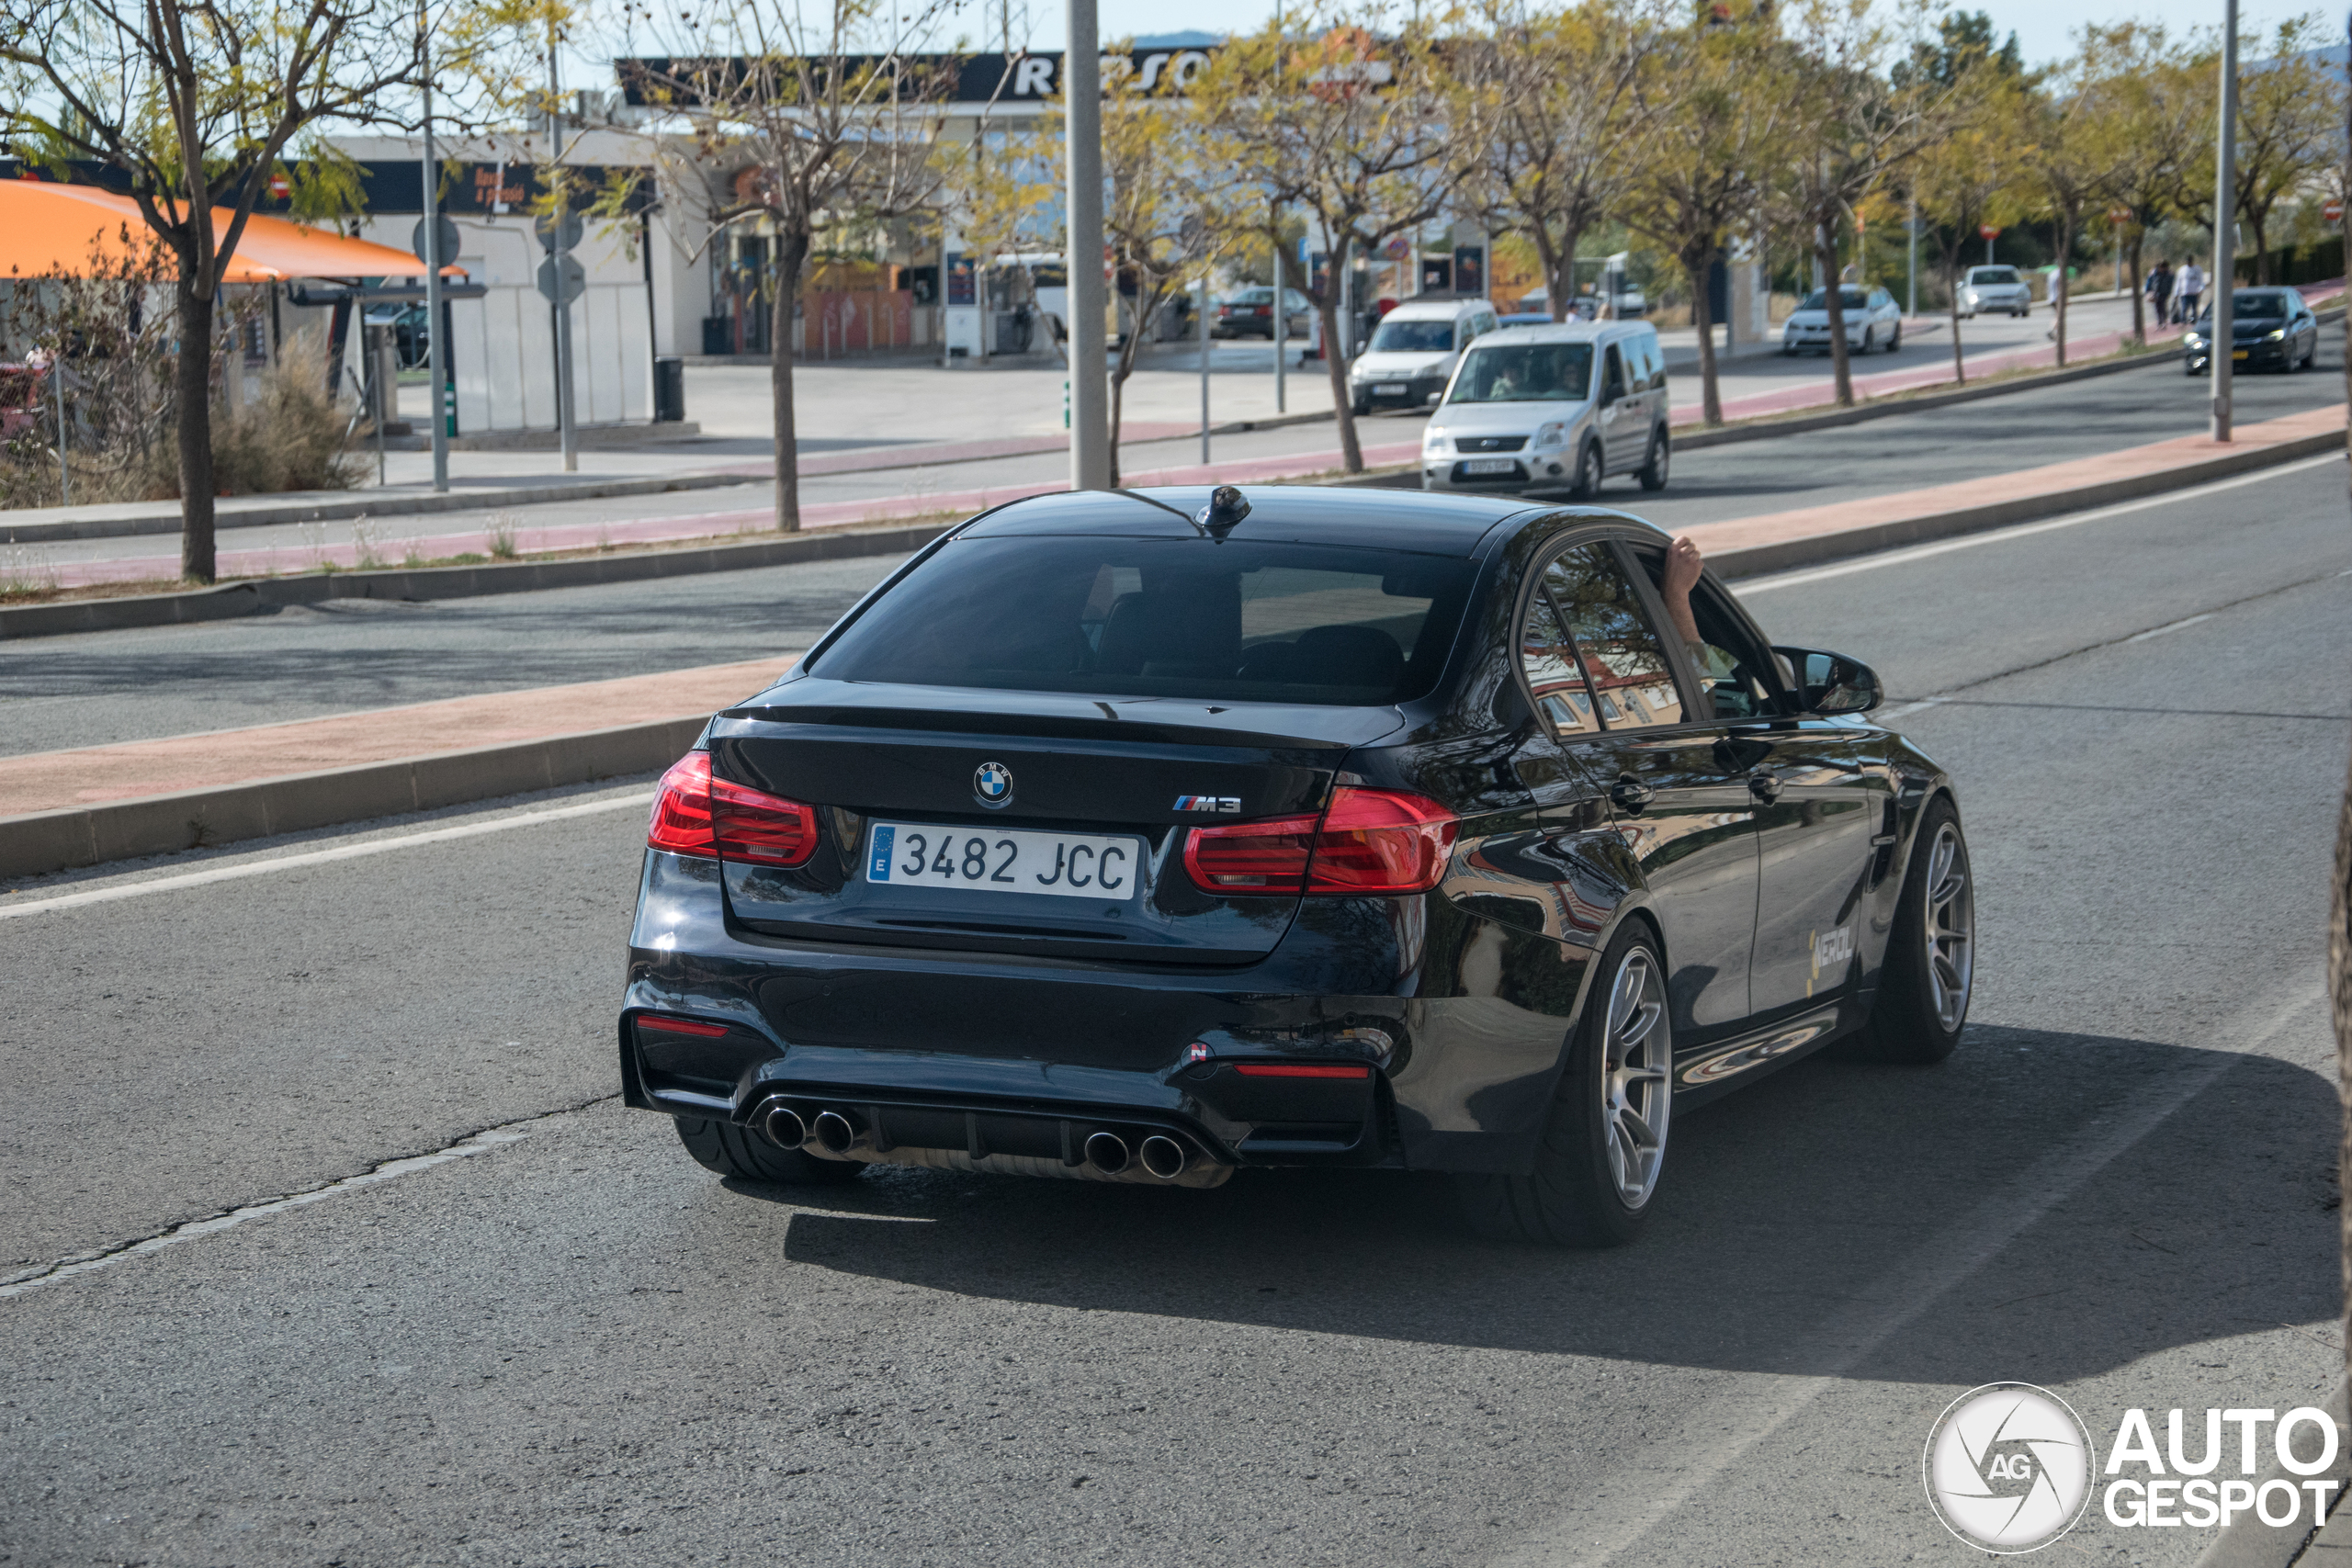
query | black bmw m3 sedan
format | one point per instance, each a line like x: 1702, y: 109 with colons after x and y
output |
x: 1145, y: 836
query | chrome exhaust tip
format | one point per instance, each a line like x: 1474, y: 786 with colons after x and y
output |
x: 1164, y: 1156
x: 836, y: 1132
x: 1107, y: 1152
x: 779, y: 1124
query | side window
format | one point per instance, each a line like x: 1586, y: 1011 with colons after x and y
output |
x: 1624, y: 659
x: 1735, y: 671
x: 1613, y: 379
x: 1552, y: 673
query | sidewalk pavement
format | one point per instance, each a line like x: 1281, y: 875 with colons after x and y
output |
x: 91, y: 777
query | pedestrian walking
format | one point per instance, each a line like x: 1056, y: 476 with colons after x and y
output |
x: 2192, y: 285
x: 2160, y: 282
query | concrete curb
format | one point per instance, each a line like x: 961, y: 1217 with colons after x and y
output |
x: 1756, y: 559
x: 44, y: 841
x: 256, y: 595
x: 364, y: 504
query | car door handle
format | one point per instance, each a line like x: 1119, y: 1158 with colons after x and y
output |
x: 1631, y: 794
x: 1765, y: 785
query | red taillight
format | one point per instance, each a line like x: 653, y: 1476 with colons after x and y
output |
x: 1251, y: 857
x: 1370, y: 840
x: 680, y: 1025
x: 1299, y: 1070
x: 695, y: 814
x: 1381, y: 840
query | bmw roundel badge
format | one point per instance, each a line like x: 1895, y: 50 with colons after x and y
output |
x: 992, y: 782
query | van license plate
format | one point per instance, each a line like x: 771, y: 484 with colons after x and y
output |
x: 1075, y: 865
x: 1392, y: 388
x: 1491, y: 465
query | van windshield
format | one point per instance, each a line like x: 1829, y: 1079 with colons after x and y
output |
x: 1413, y: 337
x: 1241, y: 621
x: 1525, y: 373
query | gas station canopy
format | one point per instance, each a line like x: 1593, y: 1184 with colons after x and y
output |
x: 59, y: 230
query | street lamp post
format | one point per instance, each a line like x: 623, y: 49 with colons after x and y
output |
x: 2223, y: 339
x: 1090, y: 413
x: 436, y: 352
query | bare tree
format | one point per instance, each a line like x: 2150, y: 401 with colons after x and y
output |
x: 193, y: 106
x: 1553, y: 122
x: 815, y: 120
x: 1349, y: 128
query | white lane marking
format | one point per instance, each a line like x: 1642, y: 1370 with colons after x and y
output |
x: 1907, y: 708
x: 2026, y: 530
x: 409, y: 1165
x: 2170, y: 626
x: 1846, y: 1338
x: 316, y: 857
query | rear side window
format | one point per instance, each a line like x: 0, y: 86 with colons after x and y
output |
x: 1624, y: 661
x: 1553, y: 673
x: 1237, y: 622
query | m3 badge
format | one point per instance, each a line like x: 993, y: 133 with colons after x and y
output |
x: 1224, y: 804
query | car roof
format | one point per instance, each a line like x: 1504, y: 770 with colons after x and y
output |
x: 1386, y: 519
x: 1568, y: 332
x: 1435, y: 309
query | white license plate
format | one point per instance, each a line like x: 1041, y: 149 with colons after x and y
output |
x: 1491, y: 465
x: 1074, y: 865
x: 1392, y: 388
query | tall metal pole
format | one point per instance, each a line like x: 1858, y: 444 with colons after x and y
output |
x: 1089, y: 412
x: 1911, y: 226
x: 1204, y: 364
x: 436, y: 351
x: 2224, y: 337
x: 65, y: 467
x: 567, y: 429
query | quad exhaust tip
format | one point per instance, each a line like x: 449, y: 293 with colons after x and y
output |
x: 1107, y: 1152
x: 1164, y: 1156
x: 780, y: 1125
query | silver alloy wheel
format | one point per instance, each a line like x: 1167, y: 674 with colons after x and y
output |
x: 1637, y: 1092
x: 1949, y: 923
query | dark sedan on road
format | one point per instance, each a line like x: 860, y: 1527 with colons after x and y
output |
x: 1148, y: 836
x: 2274, y: 330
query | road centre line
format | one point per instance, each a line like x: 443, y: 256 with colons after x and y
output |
x: 318, y: 857
x: 2026, y: 530
x: 1850, y: 1337
x: 2170, y: 626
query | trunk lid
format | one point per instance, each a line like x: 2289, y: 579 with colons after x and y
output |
x: 1023, y: 789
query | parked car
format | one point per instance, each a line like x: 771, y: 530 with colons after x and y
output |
x: 1148, y: 836
x: 1552, y: 407
x: 1249, y: 313
x: 1873, y: 320
x: 2273, y: 330
x: 1413, y: 352
x: 1985, y: 289
x: 1630, y: 302
x: 411, y: 327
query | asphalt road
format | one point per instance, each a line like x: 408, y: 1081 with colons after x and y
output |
x: 352, y: 654
x: 573, y: 1346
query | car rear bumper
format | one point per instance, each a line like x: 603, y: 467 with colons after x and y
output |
x: 1038, y: 1051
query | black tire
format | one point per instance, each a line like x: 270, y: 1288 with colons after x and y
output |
x: 1911, y: 1023
x: 1572, y: 1196
x: 1586, y: 485
x: 1654, y: 467
x: 738, y: 1152
x: 1894, y: 344
x: 1363, y: 407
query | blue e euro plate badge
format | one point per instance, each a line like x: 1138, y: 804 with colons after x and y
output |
x: 878, y: 867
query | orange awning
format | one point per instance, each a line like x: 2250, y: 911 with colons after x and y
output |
x: 49, y: 230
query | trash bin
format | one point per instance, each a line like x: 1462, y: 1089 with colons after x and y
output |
x: 669, y: 389
x: 718, y: 335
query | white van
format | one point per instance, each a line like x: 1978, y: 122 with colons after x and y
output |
x: 1552, y: 408
x: 1413, y: 352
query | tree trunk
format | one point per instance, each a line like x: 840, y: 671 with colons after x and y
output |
x: 1327, y: 310
x: 192, y: 390
x: 2260, y: 221
x: 2138, y: 294
x: 1696, y: 265
x: 1553, y: 259
x: 791, y: 254
x: 1951, y: 279
x: 1824, y: 246
x: 2064, y: 290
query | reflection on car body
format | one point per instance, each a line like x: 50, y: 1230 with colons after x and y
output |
x: 1508, y: 870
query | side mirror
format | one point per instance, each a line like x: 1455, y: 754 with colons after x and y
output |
x: 1829, y: 684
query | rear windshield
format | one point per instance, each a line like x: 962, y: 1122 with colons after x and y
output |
x: 1993, y: 275
x: 1523, y: 373
x: 1413, y: 337
x: 1241, y: 621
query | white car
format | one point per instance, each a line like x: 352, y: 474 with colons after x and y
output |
x: 1552, y: 408
x: 1413, y: 352
x: 1873, y: 320
x: 1989, y: 288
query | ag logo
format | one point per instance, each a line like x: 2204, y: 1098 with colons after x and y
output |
x: 2009, y: 1468
x: 992, y: 782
